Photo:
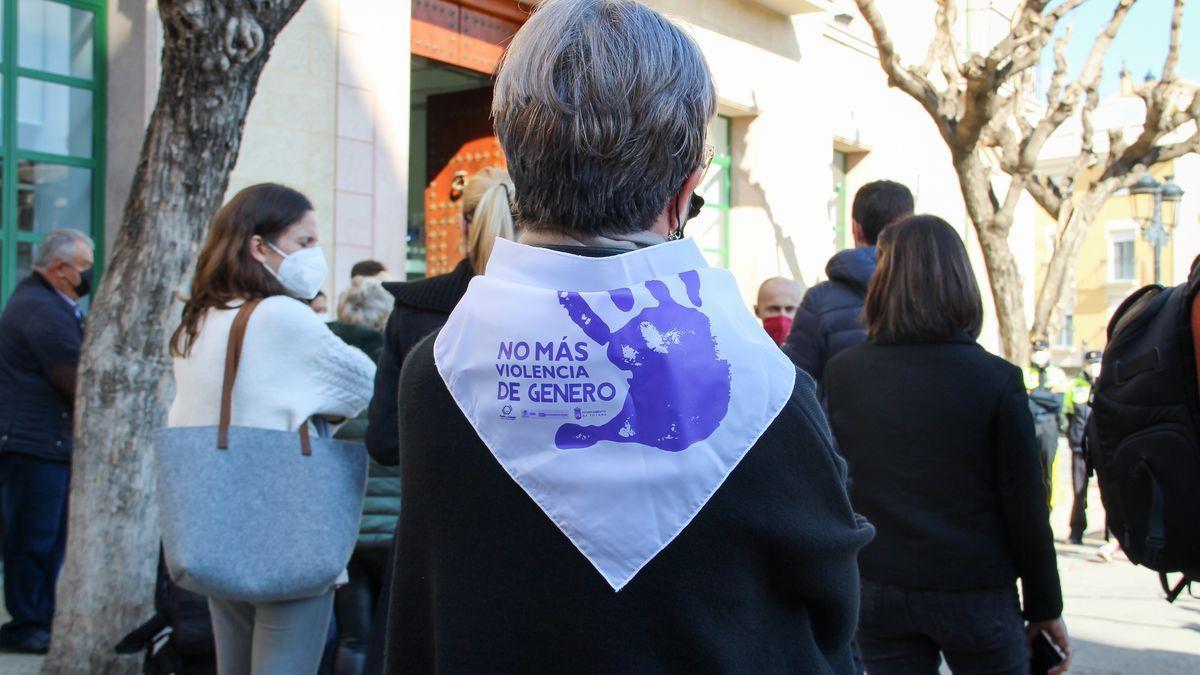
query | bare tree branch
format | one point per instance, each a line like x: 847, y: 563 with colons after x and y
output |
x: 912, y: 83
x: 1045, y: 193
x: 1171, y: 67
x: 981, y: 106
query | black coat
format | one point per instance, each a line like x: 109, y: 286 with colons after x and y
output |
x: 942, y: 452
x: 830, y: 317
x: 421, y: 308
x: 763, y: 580
x: 40, y: 341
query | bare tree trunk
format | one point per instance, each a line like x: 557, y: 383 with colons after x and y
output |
x: 213, y: 54
x: 1005, y: 281
x: 1066, y: 250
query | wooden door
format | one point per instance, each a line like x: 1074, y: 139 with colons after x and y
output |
x: 461, y: 142
x: 466, y: 33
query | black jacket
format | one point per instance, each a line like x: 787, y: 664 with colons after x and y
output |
x: 421, y: 308
x: 762, y: 580
x: 830, y: 317
x: 40, y: 341
x: 941, y: 449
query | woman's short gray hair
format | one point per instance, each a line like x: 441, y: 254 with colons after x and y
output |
x: 366, y: 303
x: 601, y: 107
x: 59, y: 245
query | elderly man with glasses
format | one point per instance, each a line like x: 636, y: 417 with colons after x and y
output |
x: 41, y: 334
x: 607, y: 465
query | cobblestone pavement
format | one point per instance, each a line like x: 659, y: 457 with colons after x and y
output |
x: 1115, y: 612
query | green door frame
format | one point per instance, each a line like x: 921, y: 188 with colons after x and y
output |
x: 724, y: 164
x: 11, y: 72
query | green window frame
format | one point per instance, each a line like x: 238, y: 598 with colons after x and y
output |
x: 16, y: 155
x: 843, y: 238
x: 716, y: 190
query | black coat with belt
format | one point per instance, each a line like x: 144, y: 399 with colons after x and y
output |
x: 421, y: 308
x: 944, y: 462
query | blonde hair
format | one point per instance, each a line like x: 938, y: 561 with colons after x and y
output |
x: 488, y: 199
x: 365, y: 303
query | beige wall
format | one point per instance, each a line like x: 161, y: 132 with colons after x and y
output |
x: 331, y: 119
x: 372, y: 135
x: 289, y: 134
x: 134, y: 43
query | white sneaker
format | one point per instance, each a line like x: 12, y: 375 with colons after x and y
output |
x: 1105, y: 552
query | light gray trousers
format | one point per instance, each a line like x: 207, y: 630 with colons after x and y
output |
x: 271, y: 638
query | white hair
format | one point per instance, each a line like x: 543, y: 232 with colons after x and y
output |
x: 365, y: 303
x: 60, y: 245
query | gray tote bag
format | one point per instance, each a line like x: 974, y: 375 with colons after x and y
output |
x: 255, y: 514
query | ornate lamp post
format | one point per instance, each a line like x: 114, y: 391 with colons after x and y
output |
x: 1155, y: 205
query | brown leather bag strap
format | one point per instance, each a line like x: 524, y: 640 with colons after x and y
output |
x: 305, y: 443
x: 233, y: 354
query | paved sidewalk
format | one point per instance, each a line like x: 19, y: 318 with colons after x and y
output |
x: 1116, y: 613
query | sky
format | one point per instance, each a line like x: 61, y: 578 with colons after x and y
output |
x: 1141, y: 44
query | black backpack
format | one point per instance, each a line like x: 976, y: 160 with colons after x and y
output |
x: 178, y: 639
x: 1143, y: 436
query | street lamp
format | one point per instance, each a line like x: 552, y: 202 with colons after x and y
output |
x: 1155, y: 205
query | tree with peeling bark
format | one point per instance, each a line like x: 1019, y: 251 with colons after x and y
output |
x: 980, y: 103
x: 213, y: 54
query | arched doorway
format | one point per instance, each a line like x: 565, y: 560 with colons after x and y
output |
x: 456, y: 46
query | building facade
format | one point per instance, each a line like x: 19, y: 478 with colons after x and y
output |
x: 53, y: 86
x: 1115, y: 258
x: 374, y: 108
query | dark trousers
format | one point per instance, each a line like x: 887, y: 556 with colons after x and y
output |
x: 1046, y: 427
x: 904, y: 630
x: 1079, y: 484
x: 33, y: 498
x: 354, y: 606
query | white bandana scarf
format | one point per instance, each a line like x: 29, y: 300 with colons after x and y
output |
x: 618, y: 392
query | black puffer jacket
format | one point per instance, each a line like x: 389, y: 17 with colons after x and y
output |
x: 830, y: 318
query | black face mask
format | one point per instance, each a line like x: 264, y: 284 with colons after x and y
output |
x: 695, y: 204
x: 85, y: 283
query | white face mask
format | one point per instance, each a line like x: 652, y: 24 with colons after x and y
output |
x: 1041, y: 359
x: 301, y: 272
x: 1094, y: 370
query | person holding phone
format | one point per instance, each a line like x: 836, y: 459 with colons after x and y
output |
x: 944, y: 462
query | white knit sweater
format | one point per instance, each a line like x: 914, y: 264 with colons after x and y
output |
x: 292, y: 367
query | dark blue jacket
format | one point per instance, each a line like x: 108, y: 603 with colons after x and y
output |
x: 39, y: 335
x: 830, y: 318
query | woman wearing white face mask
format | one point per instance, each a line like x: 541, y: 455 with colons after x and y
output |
x: 263, y: 246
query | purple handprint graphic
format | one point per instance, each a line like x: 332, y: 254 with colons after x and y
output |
x: 679, y: 387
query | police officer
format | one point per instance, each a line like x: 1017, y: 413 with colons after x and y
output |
x: 1045, y: 384
x: 1077, y: 404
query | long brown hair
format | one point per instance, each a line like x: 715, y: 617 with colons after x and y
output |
x: 923, y: 289
x: 225, y: 270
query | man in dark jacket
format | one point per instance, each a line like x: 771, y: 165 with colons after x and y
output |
x: 830, y: 317
x: 41, y: 333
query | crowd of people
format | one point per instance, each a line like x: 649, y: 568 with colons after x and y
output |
x: 586, y: 452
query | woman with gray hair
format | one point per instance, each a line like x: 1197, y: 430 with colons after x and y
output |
x: 607, y: 465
